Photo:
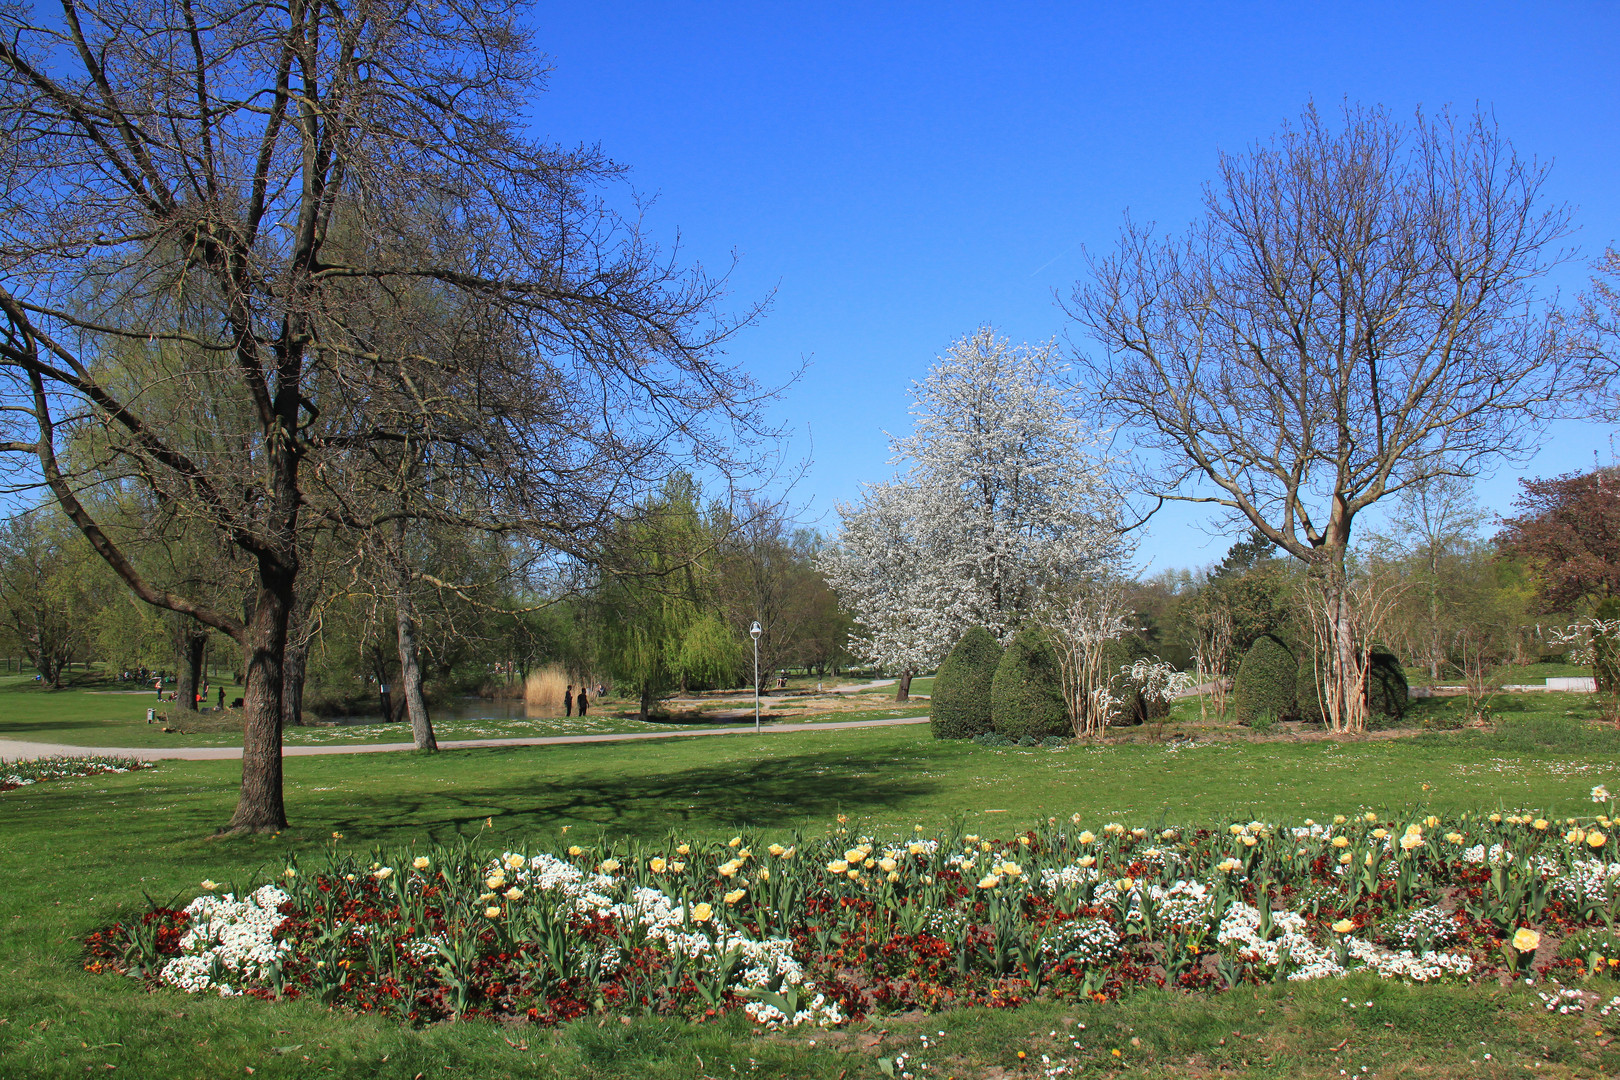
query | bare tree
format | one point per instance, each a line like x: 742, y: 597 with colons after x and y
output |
x: 235, y: 202
x: 1361, y: 604
x: 1213, y: 627
x: 1433, y: 528
x: 1090, y: 616
x: 1600, y: 318
x: 1357, y: 311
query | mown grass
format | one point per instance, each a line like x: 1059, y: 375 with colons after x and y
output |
x: 77, y: 854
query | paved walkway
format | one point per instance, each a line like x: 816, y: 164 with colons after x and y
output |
x: 11, y: 749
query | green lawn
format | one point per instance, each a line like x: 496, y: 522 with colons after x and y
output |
x: 77, y: 854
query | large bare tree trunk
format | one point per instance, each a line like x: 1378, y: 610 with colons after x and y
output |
x: 260, y: 807
x: 410, y: 669
x: 193, y: 648
x: 902, y: 690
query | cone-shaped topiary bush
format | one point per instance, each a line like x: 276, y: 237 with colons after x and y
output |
x: 1265, y: 681
x: 960, y: 702
x: 1026, y: 697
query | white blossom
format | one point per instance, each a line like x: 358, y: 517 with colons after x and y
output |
x: 1003, y: 501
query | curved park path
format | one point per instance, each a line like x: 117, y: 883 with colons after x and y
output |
x: 11, y: 748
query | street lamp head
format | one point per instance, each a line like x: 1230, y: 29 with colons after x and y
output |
x: 754, y: 631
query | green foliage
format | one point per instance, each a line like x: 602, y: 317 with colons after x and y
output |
x: 1386, y: 685
x: 1026, y: 696
x: 660, y: 622
x: 1265, y: 680
x: 960, y: 701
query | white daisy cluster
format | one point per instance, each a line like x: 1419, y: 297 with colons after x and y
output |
x: 1425, y: 925
x: 1055, y: 878
x: 1089, y: 942
x: 947, y: 923
x: 1403, y: 964
x: 1185, y: 903
x: 1497, y: 856
x: 551, y: 874
x: 229, y: 942
x: 1240, y: 926
x: 1587, y: 880
x: 1563, y: 1001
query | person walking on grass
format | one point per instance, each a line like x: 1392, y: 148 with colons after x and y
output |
x: 583, y: 701
x: 568, y: 699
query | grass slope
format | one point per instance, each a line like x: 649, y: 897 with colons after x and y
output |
x: 77, y: 854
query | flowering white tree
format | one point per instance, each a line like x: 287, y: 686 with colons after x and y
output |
x: 1002, y: 502
x: 883, y: 568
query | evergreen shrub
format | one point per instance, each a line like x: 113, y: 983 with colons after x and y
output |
x: 1026, y: 696
x: 1265, y: 680
x: 1386, y: 685
x: 960, y: 702
x: 1308, y: 690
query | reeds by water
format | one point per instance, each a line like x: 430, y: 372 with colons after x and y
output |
x: 544, y: 687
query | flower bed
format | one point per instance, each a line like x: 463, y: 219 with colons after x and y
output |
x: 16, y: 774
x: 817, y: 931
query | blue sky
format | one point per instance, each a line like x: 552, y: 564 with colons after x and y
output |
x: 902, y: 173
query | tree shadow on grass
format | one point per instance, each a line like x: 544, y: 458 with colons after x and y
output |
x: 170, y: 816
x: 782, y: 791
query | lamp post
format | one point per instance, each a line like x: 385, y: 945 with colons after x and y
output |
x: 754, y: 632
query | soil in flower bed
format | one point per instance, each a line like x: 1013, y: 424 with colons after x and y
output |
x: 793, y: 931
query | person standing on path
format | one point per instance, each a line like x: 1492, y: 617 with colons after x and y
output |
x: 583, y: 701
x: 568, y: 699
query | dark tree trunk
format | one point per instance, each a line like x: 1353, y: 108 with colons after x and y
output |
x: 646, y: 701
x: 193, y: 647
x: 260, y: 808
x: 292, y: 684
x: 903, y: 688
x: 410, y: 661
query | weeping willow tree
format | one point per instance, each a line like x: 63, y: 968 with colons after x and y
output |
x: 662, y: 628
